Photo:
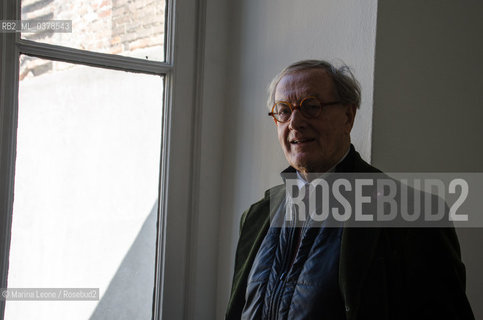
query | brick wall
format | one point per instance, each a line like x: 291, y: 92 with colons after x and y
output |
x: 108, y: 26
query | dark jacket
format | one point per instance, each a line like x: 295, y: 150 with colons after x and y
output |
x: 384, y: 273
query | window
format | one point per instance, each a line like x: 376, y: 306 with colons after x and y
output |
x: 96, y: 151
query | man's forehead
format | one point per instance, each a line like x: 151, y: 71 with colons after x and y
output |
x: 298, y: 84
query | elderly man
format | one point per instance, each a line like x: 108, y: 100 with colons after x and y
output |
x: 293, y: 272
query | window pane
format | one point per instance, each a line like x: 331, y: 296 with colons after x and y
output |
x: 86, y: 190
x: 133, y: 28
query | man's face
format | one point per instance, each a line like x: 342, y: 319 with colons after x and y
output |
x: 317, y: 144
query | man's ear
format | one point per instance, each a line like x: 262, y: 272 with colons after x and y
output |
x: 351, y: 115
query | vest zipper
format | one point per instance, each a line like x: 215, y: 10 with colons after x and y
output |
x: 275, y: 300
x: 288, y: 257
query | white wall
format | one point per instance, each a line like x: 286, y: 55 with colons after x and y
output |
x: 428, y: 100
x: 265, y: 36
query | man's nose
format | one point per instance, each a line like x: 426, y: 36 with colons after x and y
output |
x: 297, y: 120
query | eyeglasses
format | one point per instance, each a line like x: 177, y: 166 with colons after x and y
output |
x: 310, y: 107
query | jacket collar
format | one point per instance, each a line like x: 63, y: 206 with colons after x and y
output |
x: 346, y: 165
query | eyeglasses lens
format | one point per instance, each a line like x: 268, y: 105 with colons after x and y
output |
x: 310, y: 107
x: 282, y: 112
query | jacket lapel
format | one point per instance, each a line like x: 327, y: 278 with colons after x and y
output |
x: 256, y: 224
x: 358, y: 247
x: 358, y: 250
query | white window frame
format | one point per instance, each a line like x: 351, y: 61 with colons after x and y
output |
x: 180, y: 143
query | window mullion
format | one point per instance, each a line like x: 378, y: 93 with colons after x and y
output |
x: 8, y: 136
x: 95, y: 59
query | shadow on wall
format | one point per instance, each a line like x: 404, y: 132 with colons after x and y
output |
x: 130, y: 292
x: 428, y: 101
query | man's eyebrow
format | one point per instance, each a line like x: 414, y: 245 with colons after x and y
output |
x: 315, y: 95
